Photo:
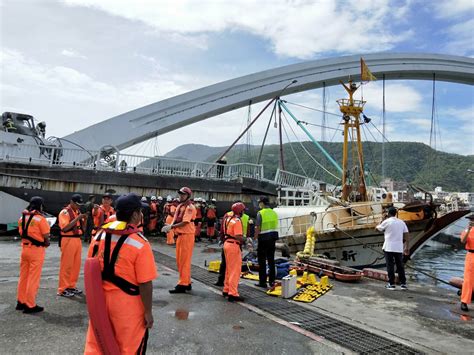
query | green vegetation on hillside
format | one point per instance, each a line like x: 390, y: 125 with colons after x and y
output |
x: 414, y: 163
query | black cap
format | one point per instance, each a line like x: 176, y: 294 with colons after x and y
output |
x: 35, y: 203
x: 77, y: 198
x: 392, y: 211
x: 264, y: 199
x: 107, y: 194
x: 130, y: 202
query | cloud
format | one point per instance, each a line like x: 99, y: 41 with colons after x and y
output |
x: 295, y: 28
x: 453, y: 8
x: 72, y: 54
x: 419, y: 123
x: 459, y: 113
x: 95, y: 99
x: 398, y: 97
x: 461, y: 37
x: 460, y: 31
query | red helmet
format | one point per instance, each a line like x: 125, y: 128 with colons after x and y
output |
x: 238, y: 208
x: 185, y: 190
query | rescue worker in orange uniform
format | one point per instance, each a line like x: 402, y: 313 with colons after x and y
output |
x: 183, y: 227
x: 127, y: 279
x: 101, y: 213
x: 211, y: 215
x: 153, y: 214
x: 245, y: 222
x: 169, y: 210
x: 71, y: 223
x: 233, y: 240
x: 198, y: 220
x: 467, y: 237
x: 34, y: 231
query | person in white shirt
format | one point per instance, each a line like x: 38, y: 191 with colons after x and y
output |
x: 394, y: 246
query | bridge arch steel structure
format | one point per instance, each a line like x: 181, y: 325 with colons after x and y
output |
x: 176, y: 112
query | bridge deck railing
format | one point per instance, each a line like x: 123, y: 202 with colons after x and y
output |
x: 126, y: 163
x: 286, y: 178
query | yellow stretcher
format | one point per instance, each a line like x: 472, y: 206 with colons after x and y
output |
x: 312, y: 291
x: 249, y: 276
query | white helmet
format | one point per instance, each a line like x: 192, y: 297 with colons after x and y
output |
x: 213, y: 200
x: 160, y: 198
x: 169, y: 198
x: 203, y: 200
x: 153, y: 198
x: 144, y: 199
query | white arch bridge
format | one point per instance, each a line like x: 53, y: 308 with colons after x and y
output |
x: 167, y: 115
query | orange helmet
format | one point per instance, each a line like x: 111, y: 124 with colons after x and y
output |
x: 238, y: 208
x: 185, y: 190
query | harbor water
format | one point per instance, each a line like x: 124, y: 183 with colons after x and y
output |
x: 440, y: 260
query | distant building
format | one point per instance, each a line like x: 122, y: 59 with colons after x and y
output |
x: 401, y: 196
x: 391, y: 185
x: 466, y: 197
x: 440, y: 194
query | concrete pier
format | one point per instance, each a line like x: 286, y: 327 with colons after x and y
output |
x: 425, y: 319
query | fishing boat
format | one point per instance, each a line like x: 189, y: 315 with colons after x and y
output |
x: 344, y: 218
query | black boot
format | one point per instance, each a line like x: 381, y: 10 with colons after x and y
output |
x: 20, y: 306
x: 464, y: 307
x: 235, y: 298
x: 189, y: 287
x: 34, y: 309
x: 225, y: 294
x: 179, y: 289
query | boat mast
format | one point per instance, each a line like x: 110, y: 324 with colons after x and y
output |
x: 351, y: 110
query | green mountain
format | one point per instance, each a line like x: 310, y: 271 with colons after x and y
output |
x: 414, y: 163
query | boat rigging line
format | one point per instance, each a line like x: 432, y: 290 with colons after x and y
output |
x: 371, y: 153
x: 326, y: 154
x: 379, y: 252
x: 276, y: 98
x: 383, y: 126
x: 323, y: 121
x: 311, y: 108
x: 266, y: 133
x: 292, y: 149
x: 309, y: 154
x: 318, y: 125
x: 282, y: 160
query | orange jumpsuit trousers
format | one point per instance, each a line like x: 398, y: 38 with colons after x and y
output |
x: 197, y: 229
x: 127, y: 316
x: 184, y: 256
x: 71, y: 249
x: 233, y: 261
x: 170, y: 234
x: 31, y: 264
x: 152, y: 224
x: 468, y: 283
x: 210, y: 231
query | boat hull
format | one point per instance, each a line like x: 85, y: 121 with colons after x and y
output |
x: 361, y: 246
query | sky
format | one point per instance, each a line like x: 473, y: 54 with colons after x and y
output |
x: 74, y: 63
